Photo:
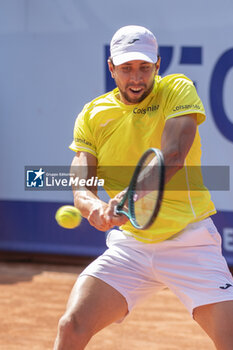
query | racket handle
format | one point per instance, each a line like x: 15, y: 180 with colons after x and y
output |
x: 115, y: 212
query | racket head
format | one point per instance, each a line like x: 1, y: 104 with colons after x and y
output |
x: 146, y: 188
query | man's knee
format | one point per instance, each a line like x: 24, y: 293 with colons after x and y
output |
x: 73, y: 329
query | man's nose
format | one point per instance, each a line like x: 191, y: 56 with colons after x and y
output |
x: 136, y: 76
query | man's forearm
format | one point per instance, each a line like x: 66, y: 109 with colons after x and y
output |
x: 85, y: 200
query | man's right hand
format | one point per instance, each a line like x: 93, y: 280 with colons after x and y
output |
x: 102, y: 215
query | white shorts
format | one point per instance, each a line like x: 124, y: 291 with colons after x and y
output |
x: 190, y: 264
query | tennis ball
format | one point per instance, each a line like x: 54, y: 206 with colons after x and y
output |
x: 68, y: 216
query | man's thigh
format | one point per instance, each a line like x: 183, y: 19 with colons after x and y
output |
x: 94, y: 304
x: 217, y: 321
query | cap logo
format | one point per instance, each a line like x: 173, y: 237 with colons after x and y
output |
x: 132, y: 41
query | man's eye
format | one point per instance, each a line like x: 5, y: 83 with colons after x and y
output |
x: 145, y: 68
x: 126, y: 69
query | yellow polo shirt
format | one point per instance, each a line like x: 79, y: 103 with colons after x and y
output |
x: 118, y: 134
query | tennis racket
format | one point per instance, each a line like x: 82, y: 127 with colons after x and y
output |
x: 143, y: 197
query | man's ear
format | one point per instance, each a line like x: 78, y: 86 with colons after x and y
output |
x: 157, y: 65
x: 111, y: 68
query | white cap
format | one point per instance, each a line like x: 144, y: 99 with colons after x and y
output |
x: 133, y: 43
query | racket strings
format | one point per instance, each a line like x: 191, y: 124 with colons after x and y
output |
x: 146, y: 190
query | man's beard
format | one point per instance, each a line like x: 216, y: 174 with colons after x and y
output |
x: 136, y: 100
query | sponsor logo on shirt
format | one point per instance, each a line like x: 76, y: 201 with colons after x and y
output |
x: 82, y: 141
x: 106, y: 123
x: 145, y: 110
x: 180, y: 107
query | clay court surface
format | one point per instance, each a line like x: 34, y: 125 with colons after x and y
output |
x: 34, y: 295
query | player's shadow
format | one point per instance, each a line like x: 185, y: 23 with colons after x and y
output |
x: 16, y: 268
x: 11, y: 273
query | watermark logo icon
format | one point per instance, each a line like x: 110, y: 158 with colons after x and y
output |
x: 35, y: 178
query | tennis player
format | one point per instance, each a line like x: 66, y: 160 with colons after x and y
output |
x: 182, y: 249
